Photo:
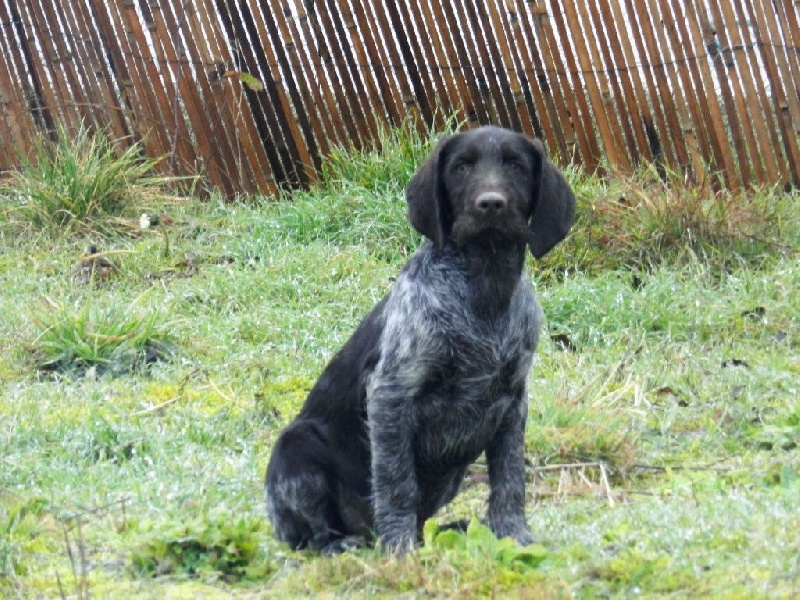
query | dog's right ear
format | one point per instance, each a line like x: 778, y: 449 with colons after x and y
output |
x: 552, y: 202
x: 428, y: 206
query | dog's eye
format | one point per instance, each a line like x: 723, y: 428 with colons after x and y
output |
x: 512, y: 165
x: 462, y: 167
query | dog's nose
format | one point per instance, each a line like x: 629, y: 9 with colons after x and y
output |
x: 490, y: 203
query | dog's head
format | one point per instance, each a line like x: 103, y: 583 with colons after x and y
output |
x: 491, y: 181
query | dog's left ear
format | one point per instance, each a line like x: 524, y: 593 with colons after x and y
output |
x: 428, y: 206
x: 552, y: 204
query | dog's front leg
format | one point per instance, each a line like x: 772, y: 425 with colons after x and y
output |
x: 395, y: 493
x: 506, y: 462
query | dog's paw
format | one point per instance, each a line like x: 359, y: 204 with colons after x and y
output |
x: 515, y: 529
x: 345, y: 544
x: 397, y: 531
x: 523, y: 537
x: 460, y: 526
x: 399, y: 544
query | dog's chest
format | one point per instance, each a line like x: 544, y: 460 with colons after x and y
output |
x: 460, y: 371
x: 453, y: 431
x: 466, y: 397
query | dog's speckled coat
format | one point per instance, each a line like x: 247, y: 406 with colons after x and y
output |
x: 436, y: 373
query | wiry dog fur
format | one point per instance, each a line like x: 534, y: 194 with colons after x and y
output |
x: 436, y: 373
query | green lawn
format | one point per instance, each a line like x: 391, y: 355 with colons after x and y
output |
x: 662, y: 438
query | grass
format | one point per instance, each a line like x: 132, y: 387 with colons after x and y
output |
x: 81, y: 182
x: 113, y: 339
x: 649, y: 220
x: 662, y: 437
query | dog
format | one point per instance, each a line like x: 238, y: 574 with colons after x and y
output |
x: 436, y: 372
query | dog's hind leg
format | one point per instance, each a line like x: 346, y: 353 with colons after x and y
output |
x: 300, y: 502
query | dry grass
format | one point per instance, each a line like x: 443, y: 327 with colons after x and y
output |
x: 646, y: 221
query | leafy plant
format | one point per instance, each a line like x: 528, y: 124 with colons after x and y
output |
x: 647, y: 570
x: 79, y: 182
x: 114, y: 340
x: 208, y: 545
x: 352, y: 216
x: 479, y: 541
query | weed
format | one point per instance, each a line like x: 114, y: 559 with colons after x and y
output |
x: 103, y: 440
x: 352, y: 216
x: 478, y: 540
x: 97, y: 341
x: 214, y: 545
x: 572, y: 430
x: 649, y: 570
x: 81, y: 182
x: 389, y: 166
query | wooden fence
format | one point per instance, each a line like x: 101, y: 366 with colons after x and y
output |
x: 253, y: 93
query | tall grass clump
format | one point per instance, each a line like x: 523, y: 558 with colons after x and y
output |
x: 112, y: 340
x: 389, y: 165
x: 650, y: 219
x: 80, y: 182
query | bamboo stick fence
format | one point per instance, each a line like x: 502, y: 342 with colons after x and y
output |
x: 254, y: 93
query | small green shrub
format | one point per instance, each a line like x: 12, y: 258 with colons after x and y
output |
x: 350, y: 217
x: 647, y: 570
x: 208, y: 545
x: 112, y: 340
x: 81, y: 181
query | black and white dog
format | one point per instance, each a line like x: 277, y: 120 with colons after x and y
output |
x: 436, y: 373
